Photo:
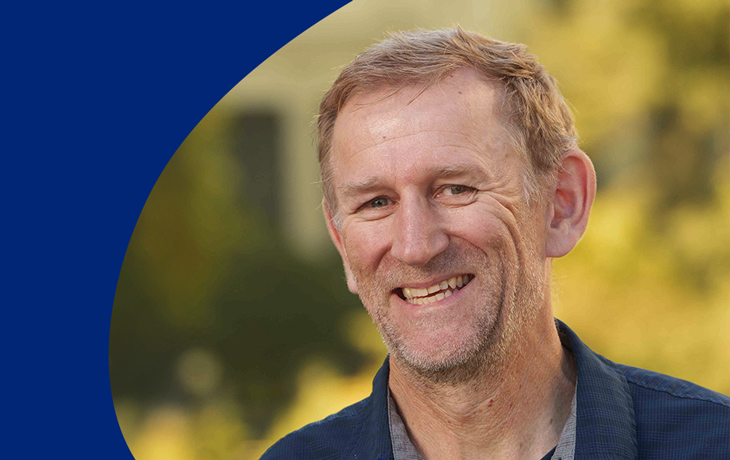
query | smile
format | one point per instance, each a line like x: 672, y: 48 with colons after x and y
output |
x: 436, y: 292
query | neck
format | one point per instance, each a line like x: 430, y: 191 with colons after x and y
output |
x: 515, y: 408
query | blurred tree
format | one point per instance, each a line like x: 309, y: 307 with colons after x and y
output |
x: 205, y: 270
x: 650, y: 84
x: 215, y: 313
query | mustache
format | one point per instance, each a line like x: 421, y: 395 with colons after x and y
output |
x: 455, y: 260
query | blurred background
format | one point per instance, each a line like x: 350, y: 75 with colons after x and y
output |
x: 232, y: 324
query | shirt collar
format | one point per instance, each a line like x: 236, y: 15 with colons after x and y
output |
x: 372, y: 439
x: 605, y: 421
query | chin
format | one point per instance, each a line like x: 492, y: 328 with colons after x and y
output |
x: 458, y: 367
x: 456, y: 359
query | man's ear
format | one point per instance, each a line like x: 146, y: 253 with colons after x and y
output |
x: 570, y: 205
x: 337, y: 240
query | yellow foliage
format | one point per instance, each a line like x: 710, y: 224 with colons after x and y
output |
x: 322, y: 392
x: 658, y: 301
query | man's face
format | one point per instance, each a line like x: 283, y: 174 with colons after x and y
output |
x: 435, y: 234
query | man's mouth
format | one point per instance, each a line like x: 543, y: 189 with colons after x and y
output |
x: 434, y: 293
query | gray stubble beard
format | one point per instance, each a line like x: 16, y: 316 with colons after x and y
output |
x: 495, y: 333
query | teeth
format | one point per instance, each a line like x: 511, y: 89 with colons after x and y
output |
x: 443, y: 289
x: 414, y: 292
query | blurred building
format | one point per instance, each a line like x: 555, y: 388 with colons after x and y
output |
x: 276, y: 104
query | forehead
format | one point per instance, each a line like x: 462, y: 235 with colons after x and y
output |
x: 460, y: 111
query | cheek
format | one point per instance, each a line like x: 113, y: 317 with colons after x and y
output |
x: 365, y: 244
x: 480, y: 229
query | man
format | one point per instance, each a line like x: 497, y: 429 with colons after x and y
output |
x: 452, y: 178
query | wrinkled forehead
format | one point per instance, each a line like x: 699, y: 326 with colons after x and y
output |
x: 462, y: 102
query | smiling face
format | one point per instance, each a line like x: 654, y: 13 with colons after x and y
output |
x: 433, y: 228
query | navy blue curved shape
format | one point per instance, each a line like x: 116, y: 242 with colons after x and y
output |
x: 97, y: 99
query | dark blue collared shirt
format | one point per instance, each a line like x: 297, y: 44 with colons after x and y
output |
x: 622, y: 413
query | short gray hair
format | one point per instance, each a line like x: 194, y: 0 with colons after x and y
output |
x: 536, y: 116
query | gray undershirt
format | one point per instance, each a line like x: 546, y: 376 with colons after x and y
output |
x: 403, y: 448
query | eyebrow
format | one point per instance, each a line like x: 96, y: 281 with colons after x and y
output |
x: 359, y: 188
x: 457, y: 170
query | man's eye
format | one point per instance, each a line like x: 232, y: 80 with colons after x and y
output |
x: 375, y: 208
x: 454, y: 194
x: 379, y: 202
x: 456, y: 189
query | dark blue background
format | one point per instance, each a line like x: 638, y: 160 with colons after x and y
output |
x: 97, y: 97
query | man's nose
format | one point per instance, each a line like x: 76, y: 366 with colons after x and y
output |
x: 418, y: 234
